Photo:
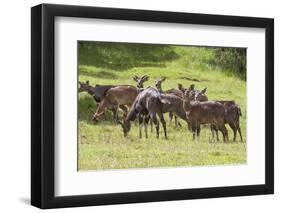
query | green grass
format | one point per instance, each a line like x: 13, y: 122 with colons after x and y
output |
x: 102, y: 145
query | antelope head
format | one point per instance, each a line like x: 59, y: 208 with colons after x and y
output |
x: 126, y: 126
x: 140, y: 80
x: 83, y: 87
x: 189, y: 95
x: 158, y: 83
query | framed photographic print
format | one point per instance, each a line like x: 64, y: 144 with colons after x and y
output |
x: 139, y: 106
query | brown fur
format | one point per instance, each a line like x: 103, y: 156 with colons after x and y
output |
x: 208, y: 112
x: 119, y: 95
x: 98, y: 92
x: 199, y: 95
x: 177, y: 92
x: 232, y: 118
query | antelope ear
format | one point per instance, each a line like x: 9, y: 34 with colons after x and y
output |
x: 204, y: 90
x: 180, y: 87
x: 135, y: 78
x: 79, y: 82
x: 145, y: 77
x: 87, y: 82
x: 163, y: 79
x: 192, y: 86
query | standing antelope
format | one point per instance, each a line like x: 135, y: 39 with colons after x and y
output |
x: 147, y: 105
x: 115, y: 97
x: 199, y: 95
x: 208, y: 112
x: 177, y: 92
x: 233, y: 112
x: 232, y: 117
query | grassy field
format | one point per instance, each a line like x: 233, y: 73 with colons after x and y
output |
x: 102, y: 145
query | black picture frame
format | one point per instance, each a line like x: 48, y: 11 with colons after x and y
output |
x: 43, y: 102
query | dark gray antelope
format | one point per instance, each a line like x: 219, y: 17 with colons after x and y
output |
x: 208, y: 112
x: 147, y: 105
x: 98, y: 92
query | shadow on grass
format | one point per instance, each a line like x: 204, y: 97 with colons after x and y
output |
x: 122, y: 56
x: 98, y: 74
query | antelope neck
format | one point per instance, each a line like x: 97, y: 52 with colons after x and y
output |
x: 186, y: 103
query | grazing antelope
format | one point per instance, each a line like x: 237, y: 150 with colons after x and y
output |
x: 98, y: 93
x: 147, y: 105
x: 208, y: 112
x: 140, y: 80
x: 177, y: 92
x: 115, y: 97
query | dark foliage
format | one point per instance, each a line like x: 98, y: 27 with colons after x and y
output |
x: 232, y: 59
x: 120, y: 56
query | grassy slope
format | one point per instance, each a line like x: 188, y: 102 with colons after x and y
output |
x: 103, y: 146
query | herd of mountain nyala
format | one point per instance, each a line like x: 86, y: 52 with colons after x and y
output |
x: 149, y: 104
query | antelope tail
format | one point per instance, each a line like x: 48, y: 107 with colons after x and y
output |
x: 239, y: 111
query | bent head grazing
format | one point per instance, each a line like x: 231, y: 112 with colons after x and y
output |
x: 126, y: 126
x: 96, y: 117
